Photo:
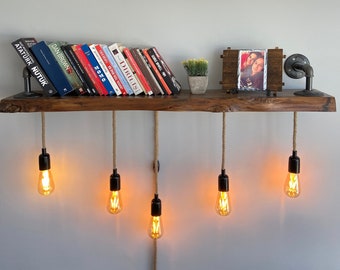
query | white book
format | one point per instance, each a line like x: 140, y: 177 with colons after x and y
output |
x: 105, y: 69
x: 124, y: 67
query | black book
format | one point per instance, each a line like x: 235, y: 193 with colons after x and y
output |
x: 164, y: 70
x: 22, y: 47
x: 71, y: 57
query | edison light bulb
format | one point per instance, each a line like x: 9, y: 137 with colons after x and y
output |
x: 292, y: 183
x: 114, y: 205
x: 156, y: 226
x: 45, y: 181
x: 222, y: 203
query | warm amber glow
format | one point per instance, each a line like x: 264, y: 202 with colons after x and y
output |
x: 156, y: 227
x: 222, y: 203
x: 45, y: 183
x: 114, y: 205
x: 292, y: 185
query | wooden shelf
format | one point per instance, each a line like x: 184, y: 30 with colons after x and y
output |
x: 212, y: 101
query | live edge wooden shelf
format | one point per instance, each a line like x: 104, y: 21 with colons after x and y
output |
x: 212, y: 101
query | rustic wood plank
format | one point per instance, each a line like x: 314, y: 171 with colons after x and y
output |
x: 213, y: 101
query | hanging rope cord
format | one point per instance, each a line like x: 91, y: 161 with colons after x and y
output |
x: 294, y: 131
x: 156, y: 148
x: 156, y: 169
x: 114, y: 145
x: 43, y: 139
x: 223, y: 139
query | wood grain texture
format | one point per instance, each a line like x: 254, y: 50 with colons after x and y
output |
x: 212, y: 101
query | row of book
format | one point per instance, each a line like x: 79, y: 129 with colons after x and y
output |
x: 96, y: 69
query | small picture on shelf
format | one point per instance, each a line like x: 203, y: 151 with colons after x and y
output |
x: 252, y: 70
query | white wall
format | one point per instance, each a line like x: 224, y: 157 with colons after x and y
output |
x: 72, y: 230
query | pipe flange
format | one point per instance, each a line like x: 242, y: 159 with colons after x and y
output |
x: 293, y: 60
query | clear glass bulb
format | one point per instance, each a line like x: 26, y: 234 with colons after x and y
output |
x: 45, y: 182
x: 156, y: 227
x: 114, y: 205
x: 223, y: 203
x: 292, y: 185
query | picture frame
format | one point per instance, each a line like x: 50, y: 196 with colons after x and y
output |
x: 252, y: 70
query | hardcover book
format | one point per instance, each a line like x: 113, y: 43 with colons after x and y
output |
x: 156, y: 72
x: 66, y: 66
x: 139, y: 58
x: 134, y: 66
x: 110, y: 68
x: 95, y: 65
x: 85, y: 80
x: 120, y: 74
x: 164, y: 70
x: 124, y: 67
x: 52, y: 68
x: 22, y: 47
x: 89, y: 70
x: 114, y: 87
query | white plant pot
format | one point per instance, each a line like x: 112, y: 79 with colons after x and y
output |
x: 198, y: 84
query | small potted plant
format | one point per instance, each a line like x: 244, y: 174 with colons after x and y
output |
x: 197, y: 70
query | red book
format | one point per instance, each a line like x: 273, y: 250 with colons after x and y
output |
x: 97, y: 83
x: 139, y: 73
x: 110, y: 68
x: 156, y: 71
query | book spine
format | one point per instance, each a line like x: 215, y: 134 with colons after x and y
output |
x: 100, y: 49
x: 22, y: 47
x: 123, y: 65
x: 77, y: 68
x: 156, y: 71
x: 82, y: 71
x: 156, y: 89
x: 127, y: 87
x: 66, y: 66
x: 92, y: 59
x: 110, y: 82
x: 97, y: 83
x: 155, y: 76
x: 165, y: 71
x: 137, y: 70
x: 52, y: 68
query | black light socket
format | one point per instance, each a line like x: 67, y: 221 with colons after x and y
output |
x: 44, y: 160
x: 156, y: 206
x: 223, y: 181
x: 115, y: 181
x: 294, y: 163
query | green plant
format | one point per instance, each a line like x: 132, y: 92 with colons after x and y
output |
x: 196, y: 67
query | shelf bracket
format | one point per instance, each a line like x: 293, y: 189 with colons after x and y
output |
x: 297, y: 66
x: 26, y: 74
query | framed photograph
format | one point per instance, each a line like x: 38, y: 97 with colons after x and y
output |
x: 252, y: 70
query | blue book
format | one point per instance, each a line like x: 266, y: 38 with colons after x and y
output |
x: 51, y: 67
x: 117, y: 69
x: 86, y: 49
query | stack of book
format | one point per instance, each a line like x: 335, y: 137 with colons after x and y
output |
x: 96, y: 69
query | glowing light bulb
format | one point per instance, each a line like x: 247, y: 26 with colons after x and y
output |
x: 156, y: 226
x: 114, y: 205
x: 292, y: 183
x: 45, y: 181
x: 223, y: 203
